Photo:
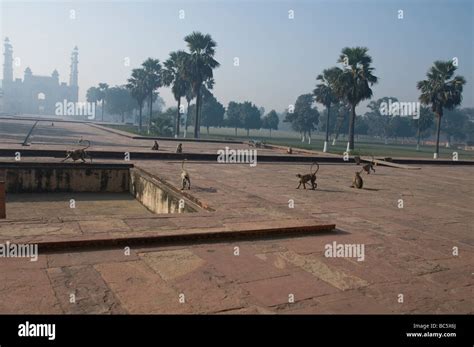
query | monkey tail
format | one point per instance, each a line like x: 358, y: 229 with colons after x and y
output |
x: 317, y: 169
x: 88, y: 143
x: 182, y: 164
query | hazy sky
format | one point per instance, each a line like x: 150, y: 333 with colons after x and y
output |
x: 279, y: 57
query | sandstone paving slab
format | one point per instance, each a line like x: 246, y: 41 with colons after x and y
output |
x: 320, y: 269
x: 107, y: 225
x: 298, y: 285
x: 208, y: 291
x: 69, y: 258
x: 27, y: 291
x: 242, y: 268
x: 81, y: 290
x: 348, y: 302
x: 171, y: 264
x: 140, y: 290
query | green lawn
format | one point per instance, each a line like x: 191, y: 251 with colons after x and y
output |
x: 363, y: 146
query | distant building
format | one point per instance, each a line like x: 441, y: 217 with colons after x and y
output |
x: 35, y: 94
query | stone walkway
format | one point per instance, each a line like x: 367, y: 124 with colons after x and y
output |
x: 423, y: 251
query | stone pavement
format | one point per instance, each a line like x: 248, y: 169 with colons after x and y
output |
x: 423, y: 251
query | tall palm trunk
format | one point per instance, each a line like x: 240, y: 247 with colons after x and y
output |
x: 151, y: 111
x: 325, y: 149
x: 102, y: 104
x: 140, y: 117
x: 178, y: 118
x: 187, y: 116
x: 196, y: 118
x: 351, y: 128
x: 439, y: 114
x: 418, y: 135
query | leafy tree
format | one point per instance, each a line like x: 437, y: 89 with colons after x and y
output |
x: 441, y: 91
x: 304, y: 118
x: 103, y: 87
x: 162, y: 123
x: 342, y: 115
x: 212, y: 111
x: 233, y: 116
x: 93, y: 95
x: 120, y: 101
x: 250, y: 116
x: 423, y: 123
x: 270, y: 121
x: 380, y: 123
x: 454, y: 124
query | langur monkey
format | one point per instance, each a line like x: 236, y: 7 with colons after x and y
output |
x: 155, y: 147
x: 179, y: 148
x: 185, y: 179
x: 357, y: 181
x: 79, y: 153
x: 311, y: 177
x: 369, y: 166
x: 289, y: 150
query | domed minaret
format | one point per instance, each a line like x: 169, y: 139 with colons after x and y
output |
x: 55, y: 75
x: 73, y: 78
x: 7, y: 62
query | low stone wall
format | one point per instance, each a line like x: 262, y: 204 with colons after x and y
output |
x: 155, y: 196
x: 79, y: 178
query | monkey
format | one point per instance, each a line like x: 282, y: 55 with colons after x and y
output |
x: 155, y: 147
x: 251, y: 143
x: 185, y: 178
x: 311, y: 177
x: 369, y: 166
x: 79, y: 153
x: 52, y: 124
x: 179, y: 148
x: 357, y: 160
x: 357, y: 182
x: 289, y: 150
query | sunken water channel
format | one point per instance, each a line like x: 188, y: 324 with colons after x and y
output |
x: 123, y: 181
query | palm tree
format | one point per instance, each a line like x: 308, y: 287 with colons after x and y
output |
x: 93, y: 95
x: 325, y: 94
x: 441, y: 91
x: 136, y: 85
x: 423, y: 123
x: 354, y: 82
x: 103, y: 87
x: 189, y: 97
x: 199, y: 67
x: 174, y: 75
x: 152, y: 81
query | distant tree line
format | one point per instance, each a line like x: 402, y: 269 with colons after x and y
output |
x: 340, y: 89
